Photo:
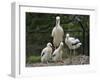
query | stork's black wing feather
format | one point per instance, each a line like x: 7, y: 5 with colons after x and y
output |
x: 75, y: 43
x: 42, y: 54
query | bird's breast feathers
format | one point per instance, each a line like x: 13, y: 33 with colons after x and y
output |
x: 57, y: 31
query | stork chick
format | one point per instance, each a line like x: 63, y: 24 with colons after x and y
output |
x: 57, y: 54
x: 46, y: 53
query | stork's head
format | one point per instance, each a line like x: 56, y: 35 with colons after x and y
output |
x: 57, y: 20
x: 67, y: 35
x: 49, y: 44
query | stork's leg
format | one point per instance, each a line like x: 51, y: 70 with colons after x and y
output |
x: 61, y: 60
x: 70, y: 57
x: 70, y: 53
x: 74, y: 52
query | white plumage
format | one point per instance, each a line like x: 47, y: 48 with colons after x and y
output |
x: 57, y: 33
x: 72, y: 43
x: 46, y: 53
x: 57, y: 54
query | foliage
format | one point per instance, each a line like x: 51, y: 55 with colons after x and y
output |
x: 33, y: 59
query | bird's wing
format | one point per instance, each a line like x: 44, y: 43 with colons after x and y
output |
x: 74, y: 42
x: 71, y: 39
x: 53, y: 32
x: 77, y: 40
x: 43, y: 51
x: 62, y: 31
x: 42, y: 54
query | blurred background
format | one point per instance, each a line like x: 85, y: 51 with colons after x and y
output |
x: 39, y: 28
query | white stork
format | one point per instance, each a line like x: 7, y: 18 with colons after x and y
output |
x: 72, y: 43
x: 57, y: 54
x: 46, y: 53
x: 57, y: 33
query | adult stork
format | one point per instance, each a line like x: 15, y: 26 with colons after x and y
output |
x: 72, y: 43
x: 46, y: 53
x: 57, y: 33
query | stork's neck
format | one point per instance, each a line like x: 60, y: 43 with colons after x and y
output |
x: 49, y: 46
x: 57, y: 22
x: 67, y: 37
x: 60, y: 47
